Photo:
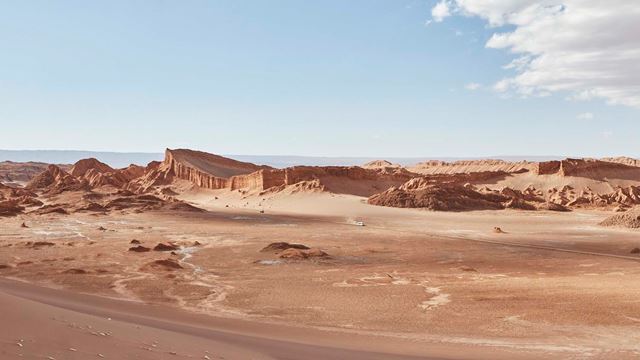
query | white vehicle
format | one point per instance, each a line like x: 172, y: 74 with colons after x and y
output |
x: 358, y: 223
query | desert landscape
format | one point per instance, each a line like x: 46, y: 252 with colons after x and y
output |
x: 320, y: 180
x: 205, y: 257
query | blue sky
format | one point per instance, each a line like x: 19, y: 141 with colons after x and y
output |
x: 326, y: 78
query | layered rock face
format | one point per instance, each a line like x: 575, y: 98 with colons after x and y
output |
x: 340, y: 179
x: 215, y: 172
x: 587, y: 168
x: 434, y: 167
x: 205, y: 170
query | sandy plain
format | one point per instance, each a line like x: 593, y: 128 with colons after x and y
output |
x: 410, y: 283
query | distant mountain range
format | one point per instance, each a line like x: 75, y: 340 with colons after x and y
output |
x: 123, y: 159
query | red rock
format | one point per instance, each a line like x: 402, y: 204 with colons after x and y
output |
x: 139, y: 248
x: 165, y: 247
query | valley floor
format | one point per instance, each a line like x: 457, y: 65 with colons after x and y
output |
x: 409, y: 283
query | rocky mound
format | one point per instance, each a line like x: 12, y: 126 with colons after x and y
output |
x: 148, y: 203
x: 440, y: 197
x: 81, y: 167
x: 139, y: 248
x: 54, y: 180
x: 165, y: 247
x: 98, y: 174
x: 282, y: 246
x: 10, y: 208
x: 629, y: 219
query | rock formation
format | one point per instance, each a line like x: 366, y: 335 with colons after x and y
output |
x: 81, y: 167
x: 587, y: 168
x: 22, y: 172
x: 434, y: 167
x: 629, y: 219
x: 281, y: 246
x: 458, y: 186
x: 215, y: 172
x: 98, y: 174
x: 380, y: 164
x: 54, y: 180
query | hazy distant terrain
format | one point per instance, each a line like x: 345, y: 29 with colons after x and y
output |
x: 123, y: 159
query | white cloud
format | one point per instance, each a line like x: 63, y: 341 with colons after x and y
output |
x: 440, y: 11
x: 588, y: 48
x: 607, y: 134
x: 472, y: 86
x: 585, y: 116
x: 502, y: 85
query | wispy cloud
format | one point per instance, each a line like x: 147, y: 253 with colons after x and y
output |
x: 440, y: 11
x: 472, y: 86
x: 588, y: 48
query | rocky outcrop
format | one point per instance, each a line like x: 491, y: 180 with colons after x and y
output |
x: 587, y: 168
x: 10, y: 208
x: 205, y: 170
x: 452, y: 193
x: 54, y: 181
x: 98, y: 174
x: 440, y: 197
x: 629, y: 219
x: 81, y: 167
x: 281, y: 246
x: 569, y: 196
